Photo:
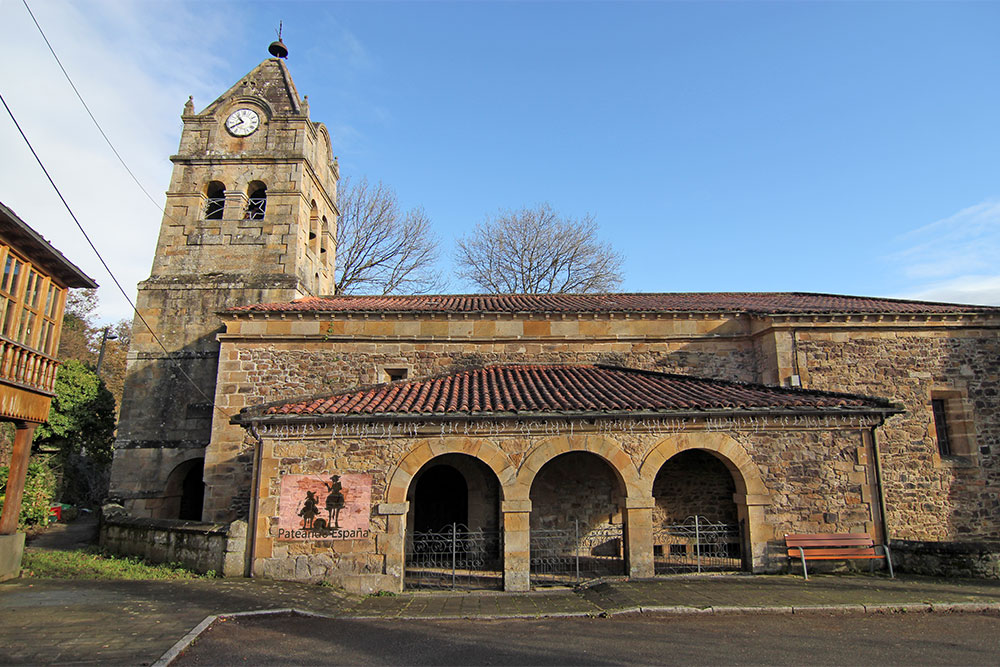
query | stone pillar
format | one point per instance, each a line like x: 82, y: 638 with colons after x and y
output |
x: 516, y: 545
x: 750, y: 508
x: 392, y: 545
x: 15, y: 477
x: 639, y: 537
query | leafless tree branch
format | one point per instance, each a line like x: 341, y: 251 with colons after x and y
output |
x: 536, y: 251
x: 380, y: 249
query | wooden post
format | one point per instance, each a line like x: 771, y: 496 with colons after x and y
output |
x: 16, y: 476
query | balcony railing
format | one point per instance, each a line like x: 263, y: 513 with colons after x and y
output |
x: 28, y: 368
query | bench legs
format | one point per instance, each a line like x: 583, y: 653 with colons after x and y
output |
x: 888, y: 559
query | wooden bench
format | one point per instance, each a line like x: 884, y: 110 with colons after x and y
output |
x: 827, y: 546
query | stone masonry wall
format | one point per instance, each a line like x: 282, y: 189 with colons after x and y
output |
x: 276, y: 358
x: 694, y: 483
x: 816, y: 480
x: 928, y: 497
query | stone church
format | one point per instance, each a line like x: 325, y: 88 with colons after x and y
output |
x: 378, y: 442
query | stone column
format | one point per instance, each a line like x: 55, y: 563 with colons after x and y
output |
x: 639, y: 537
x: 392, y: 545
x: 516, y: 545
x: 750, y: 508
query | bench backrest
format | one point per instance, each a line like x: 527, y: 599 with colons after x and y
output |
x: 829, y: 540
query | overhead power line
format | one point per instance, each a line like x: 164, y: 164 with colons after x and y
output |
x: 101, y: 258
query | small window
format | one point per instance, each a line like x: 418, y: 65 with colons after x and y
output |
x: 395, y: 374
x: 954, y: 426
x: 941, y: 426
x: 215, y: 201
x: 257, y: 201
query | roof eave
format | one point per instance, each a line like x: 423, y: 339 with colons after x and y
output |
x: 250, y: 417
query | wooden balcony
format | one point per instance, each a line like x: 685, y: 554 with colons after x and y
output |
x: 27, y: 382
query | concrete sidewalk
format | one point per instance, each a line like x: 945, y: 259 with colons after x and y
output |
x: 133, y: 622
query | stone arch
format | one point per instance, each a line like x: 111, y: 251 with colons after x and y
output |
x: 751, y: 493
x: 549, y: 448
x: 184, y: 491
x: 726, y: 448
x: 478, y: 448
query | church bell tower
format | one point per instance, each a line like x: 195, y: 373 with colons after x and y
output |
x: 250, y: 217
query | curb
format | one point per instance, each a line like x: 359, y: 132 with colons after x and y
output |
x: 909, y: 607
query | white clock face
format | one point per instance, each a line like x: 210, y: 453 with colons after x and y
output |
x: 243, y: 122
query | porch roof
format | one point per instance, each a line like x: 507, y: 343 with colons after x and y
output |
x: 570, y: 390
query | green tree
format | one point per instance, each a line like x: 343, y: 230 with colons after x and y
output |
x: 79, y: 433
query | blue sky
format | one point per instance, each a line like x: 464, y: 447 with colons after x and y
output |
x: 841, y: 147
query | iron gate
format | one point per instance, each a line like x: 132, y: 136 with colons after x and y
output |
x: 454, y: 557
x: 572, y: 555
x: 697, y: 545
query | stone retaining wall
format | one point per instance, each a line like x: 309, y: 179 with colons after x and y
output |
x: 203, y: 547
x: 979, y: 560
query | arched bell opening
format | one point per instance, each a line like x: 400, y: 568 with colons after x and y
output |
x: 697, y: 524
x: 576, y: 520
x: 184, y: 492
x: 453, y: 534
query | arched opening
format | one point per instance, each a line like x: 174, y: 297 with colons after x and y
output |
x: 256, y: 200
x: 184, y: 492
x: 324, y: 233
x: 453, y: 525
x: 215, y: 200
x: 696, y: 524
x: 313, y: 243
x: 441, y: 499
x: 576, y: 520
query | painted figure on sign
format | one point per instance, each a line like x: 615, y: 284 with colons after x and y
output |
x: 310, y: 508
x: 334, y: 500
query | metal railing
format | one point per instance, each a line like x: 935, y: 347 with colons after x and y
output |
x: 697, y: 545
x: 214, y: 206
x: 573, y: 555
x: 455, y: 556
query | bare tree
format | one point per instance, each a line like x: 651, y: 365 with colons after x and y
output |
x: 379, y: 248
x: 537, y: 251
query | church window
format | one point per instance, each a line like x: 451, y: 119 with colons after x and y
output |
x: 257, y: 201
x: 215, y: 201
x: 313, y: 228
x: 390, y: 374
x: 954, y: 426
x: 941, y: 426
x: 324, y: 232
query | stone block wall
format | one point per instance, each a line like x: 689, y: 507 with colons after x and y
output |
x: 203, y: 547
x: 928, y: 497
x: 979, y: 560
x: 813, y: 476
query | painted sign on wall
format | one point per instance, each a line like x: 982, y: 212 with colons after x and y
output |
x: 324, y: 507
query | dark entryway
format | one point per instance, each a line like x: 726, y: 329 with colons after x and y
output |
x: 441, y: 499
x: 193, y: 492
x: 453, y: 536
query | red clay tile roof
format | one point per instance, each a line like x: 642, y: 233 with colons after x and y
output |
x: 754, y: 302
x: 547, y: 389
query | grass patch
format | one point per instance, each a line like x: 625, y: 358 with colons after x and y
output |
x: 93, y: 565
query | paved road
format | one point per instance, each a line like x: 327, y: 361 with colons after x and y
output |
x: 815, y: 638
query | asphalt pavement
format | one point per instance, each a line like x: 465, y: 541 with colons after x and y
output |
x: 140, y: 622
x: 815, y: 638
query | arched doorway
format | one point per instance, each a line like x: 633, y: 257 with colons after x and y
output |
x: 696, y: 525
x: 576, y: 520
x: 453, y: 525
x: 441, y: 498
x: 184, y: 492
